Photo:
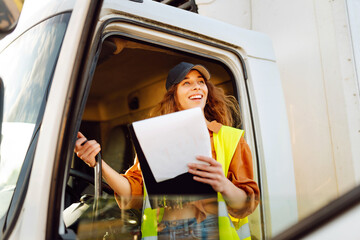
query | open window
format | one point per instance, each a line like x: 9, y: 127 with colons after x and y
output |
x: 129, y: 80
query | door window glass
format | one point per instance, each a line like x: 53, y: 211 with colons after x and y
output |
x: 27, y: 65
x: 129, y: 81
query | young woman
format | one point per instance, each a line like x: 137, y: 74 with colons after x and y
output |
x: 229, y: 170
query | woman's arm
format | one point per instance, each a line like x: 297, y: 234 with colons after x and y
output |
x: 116, y: 181
x: 239, y: 189
x: 87, y: 151
x: 241, y: 174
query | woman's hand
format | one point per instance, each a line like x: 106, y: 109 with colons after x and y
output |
x: 86, y: 150
x: 210, y: 173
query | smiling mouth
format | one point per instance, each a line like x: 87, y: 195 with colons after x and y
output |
x: 196, y: 97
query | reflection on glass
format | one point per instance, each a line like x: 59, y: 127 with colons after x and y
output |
x: 26, y: 68
x: 113, y: 222
x: 110, y: 223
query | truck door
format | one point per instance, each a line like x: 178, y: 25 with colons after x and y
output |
x: 40, y: 61
x: 110, y: 72
x: 122, y: 79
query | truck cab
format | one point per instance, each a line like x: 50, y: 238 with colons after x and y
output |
x: 97, y: 66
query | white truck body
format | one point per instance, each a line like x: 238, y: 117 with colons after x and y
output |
x: 316, y: 44
x: 258, y: 85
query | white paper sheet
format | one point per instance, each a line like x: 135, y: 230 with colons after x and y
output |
x: 171, y: 141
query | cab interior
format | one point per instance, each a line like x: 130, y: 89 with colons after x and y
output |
x: 129, y: 80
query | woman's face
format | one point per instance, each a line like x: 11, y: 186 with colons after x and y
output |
x: 192, y: 91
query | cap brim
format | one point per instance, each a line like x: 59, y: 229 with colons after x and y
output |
x: 179, y: 72
x: 202, y: 70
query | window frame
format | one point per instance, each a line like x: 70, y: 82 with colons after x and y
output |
x: 89, y: 63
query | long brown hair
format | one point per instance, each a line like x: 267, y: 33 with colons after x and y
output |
x: 220, y: 107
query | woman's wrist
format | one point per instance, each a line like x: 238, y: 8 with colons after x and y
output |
x: 228, y: 189
x: 235, y: 197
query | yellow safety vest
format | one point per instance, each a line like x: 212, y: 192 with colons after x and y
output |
x: 230, y: 228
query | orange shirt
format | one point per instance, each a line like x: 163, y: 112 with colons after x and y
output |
x: 240, y: 173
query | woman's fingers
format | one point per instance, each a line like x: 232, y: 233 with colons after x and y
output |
x: 84, y: 142
x: 91, y: 149
x: 80, y: 147
x: 216, y: 181
x: 79, y: 144
x: 211, y: 182
x: 210, y: 165
x: 213, y: 174
x: 90, y: 158
x: 205, y: 159
x: 210, y: 172
x: 86, y: 150
x: 80, y: 135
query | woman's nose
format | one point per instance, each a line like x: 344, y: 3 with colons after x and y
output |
x: 196, y: 86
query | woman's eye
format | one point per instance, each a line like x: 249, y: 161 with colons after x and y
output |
x: 202, y: 82
x: 186, y: 83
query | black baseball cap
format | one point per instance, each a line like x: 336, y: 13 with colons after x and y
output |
x: 178, y: 73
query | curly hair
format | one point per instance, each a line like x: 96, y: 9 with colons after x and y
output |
x: 220, y: 107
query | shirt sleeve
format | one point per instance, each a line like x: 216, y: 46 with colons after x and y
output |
x: 240, y: 173
x: 134, y: 176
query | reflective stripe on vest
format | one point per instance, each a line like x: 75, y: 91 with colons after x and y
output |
x: 225, y: 143
x: 149, y: 219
